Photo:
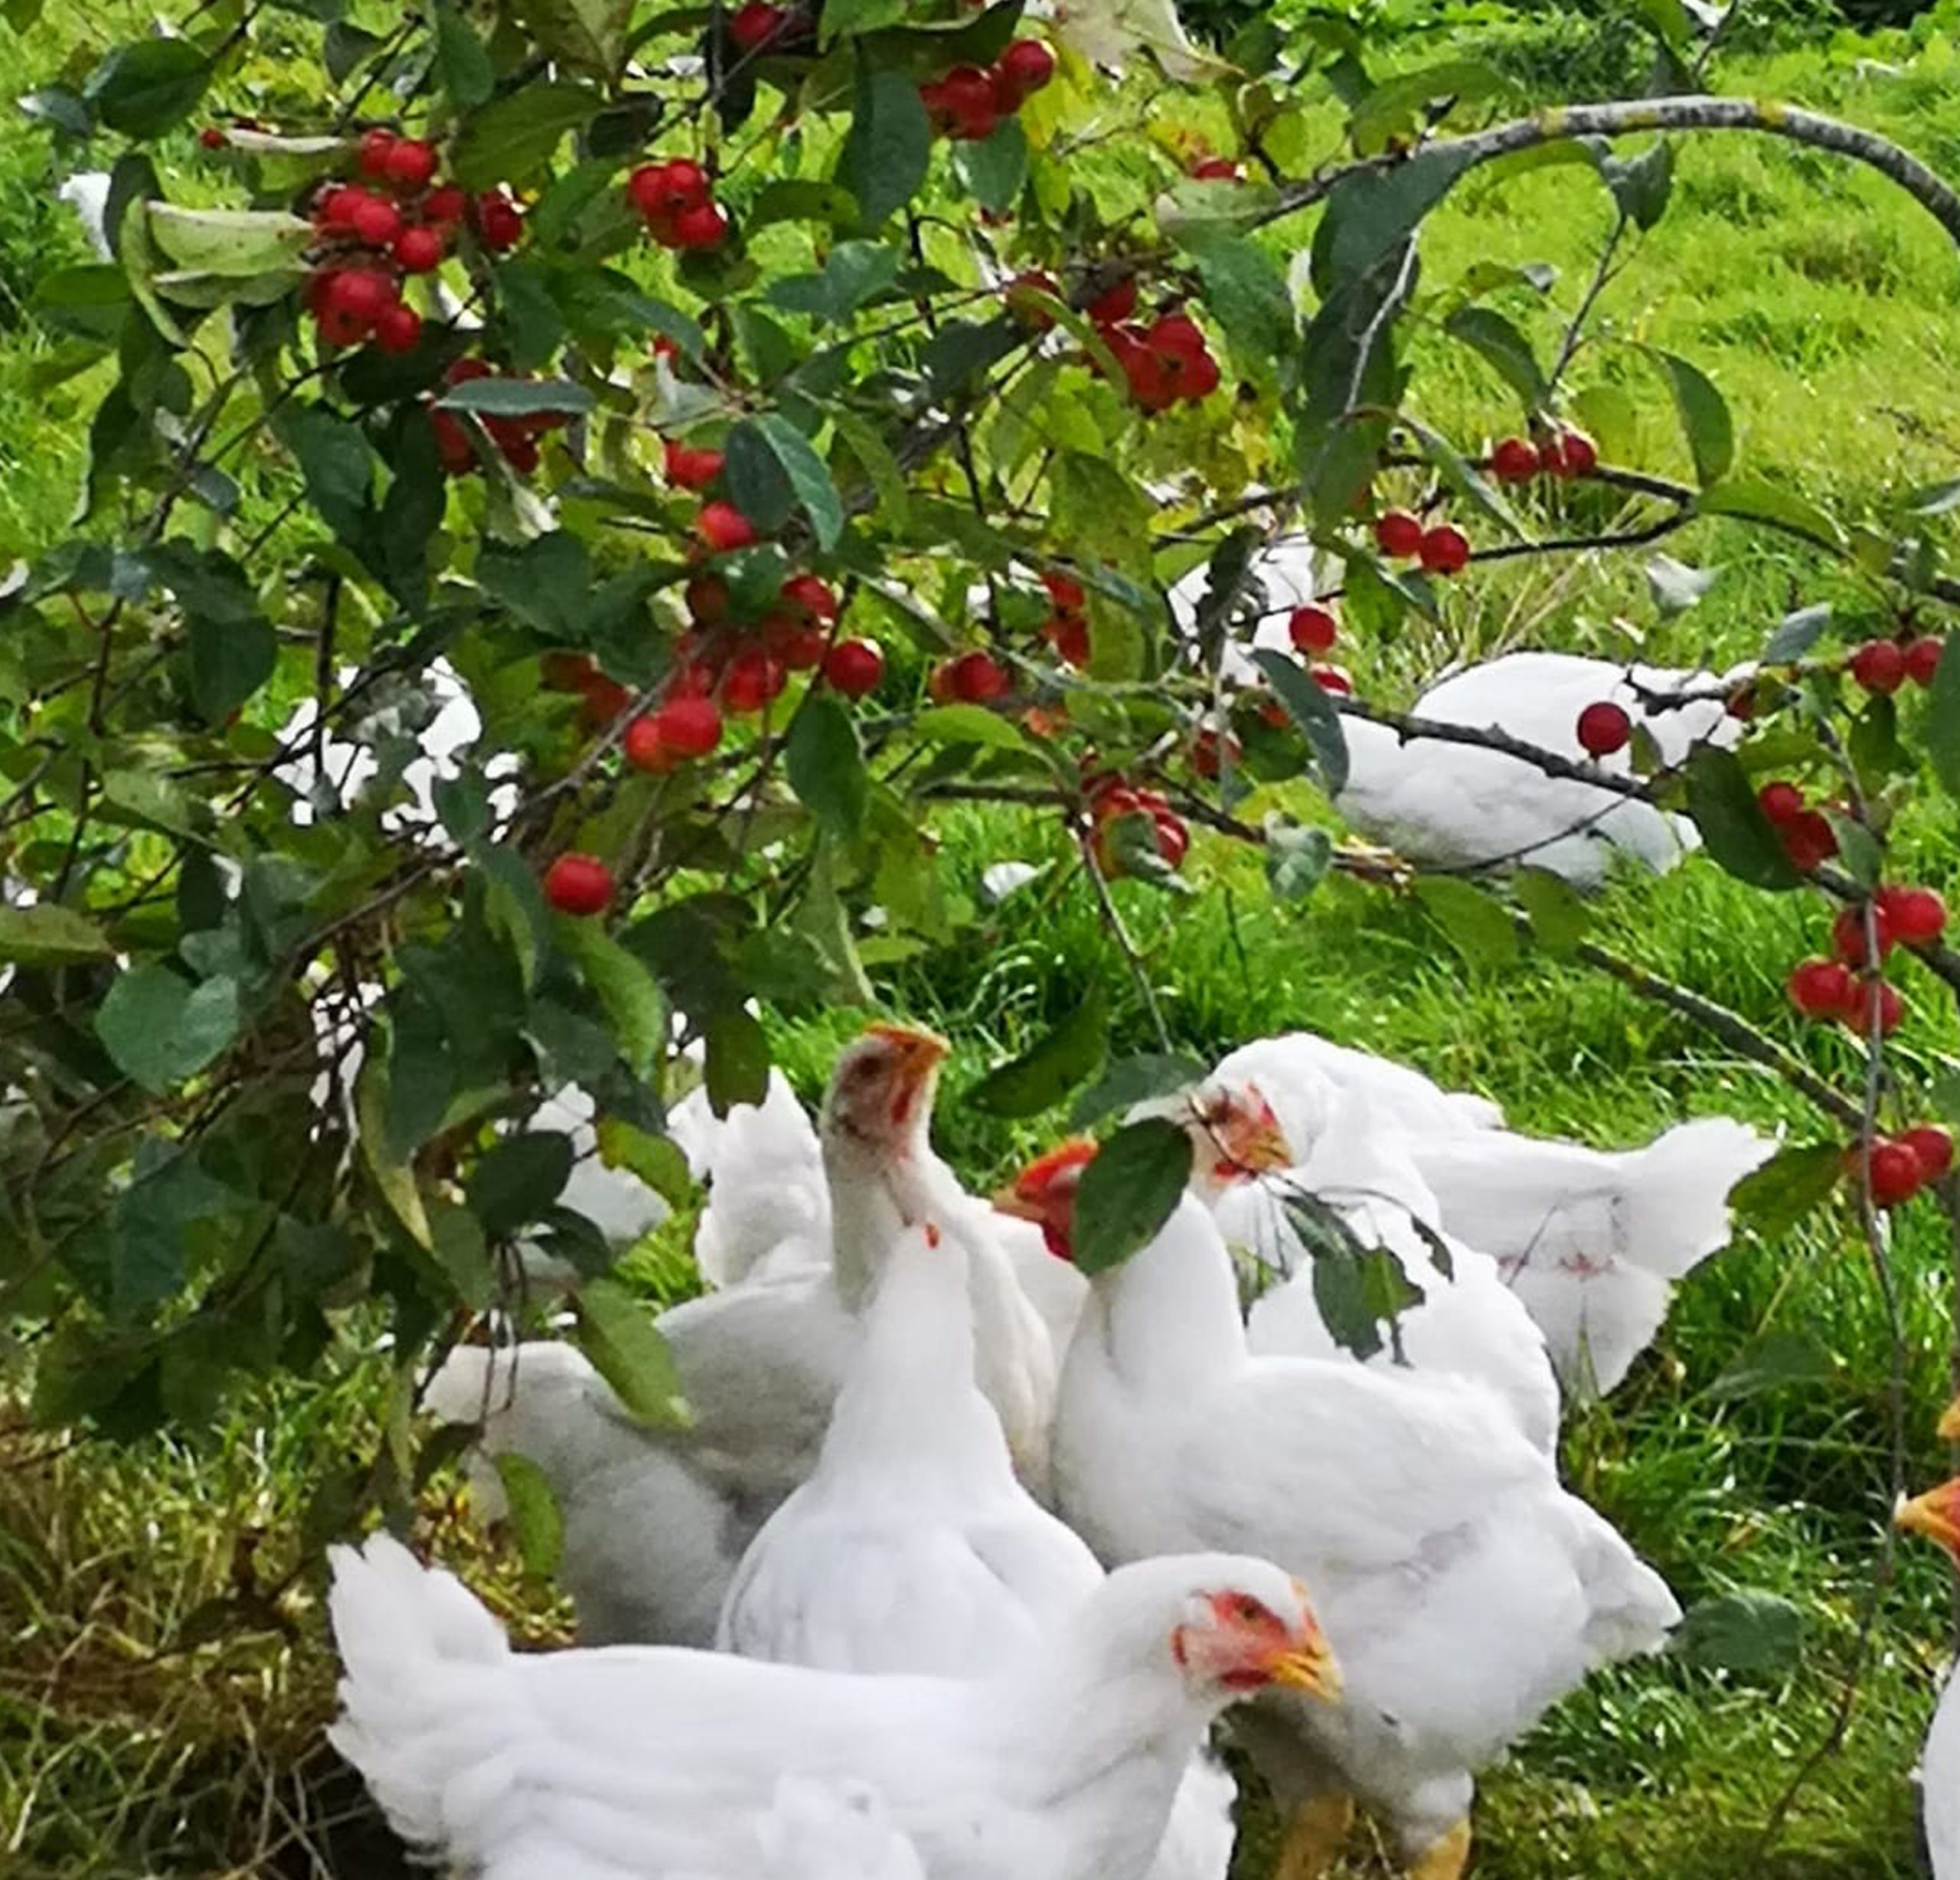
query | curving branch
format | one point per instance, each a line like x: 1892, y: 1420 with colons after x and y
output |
x: 1633, y: 116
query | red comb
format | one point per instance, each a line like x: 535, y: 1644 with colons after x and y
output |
x: 1041, y: 1174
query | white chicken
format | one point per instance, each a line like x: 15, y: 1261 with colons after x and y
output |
x: 1592, y: 1240
x: 1449, y: 805
x: 824, y: 1831
x: 642, y: 1763
x: 656, y: 1521
x: 1469, y: 1324
x: 912, y: 1548
x: 1936, y: 1516
x: 1464, y: 1589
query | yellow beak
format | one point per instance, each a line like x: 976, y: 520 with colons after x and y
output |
x: 1949, y: 1423
x: 924, y: 1050
x: 1309, y: 1667
x: 1259, y: 1148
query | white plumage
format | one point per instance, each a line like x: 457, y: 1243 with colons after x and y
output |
x: 1465, y: 1589
x: 636, y: 1763
x: 1460, y: 806
x: 1939, y: 1784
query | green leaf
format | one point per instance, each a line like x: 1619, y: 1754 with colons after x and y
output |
x: 1296, y: 859
x: 1779, y: 1360
x: 1754, y: 500
x: 1479, y: 927
x: 1128, y: 1192
x: 1043, y: 1075
x: 854, y: 272
x: 230, y: 660
x: 463, y: 1255
x: 1943, y: 721
x: 626, y: 1349
x: 1397, y: 106
x: 240, y: 241
x: 1558, y: 916
x: 1738, y: 837
x: 1487, y: 332
x: 590, y: 33
x: 1369, y: 215
x: 1359, y: 1290
x: 518, y: 398
x: 1670, y: 20
x: 393, y: 1176
x: 756, y: 482
x: 1796, y: 634
x: 995, y: 167
x: 1750, y: 1634
x: 629, y: 993
x: 518, y: 1179
x: 737, y: 1067
x: 512, y: 140
x: 547, y: 583
x: 535, y: 1523
x: 1103, y: 516
x: 462, y: 64
x: 825, y: 763
x: 160, y: 1029
x: 142, y: 89
x: 336, y: 463
x: 1640, y: 185
x: 1311, y: 710
x: 1130, y: 1080
x: 1704, y: 416
x: 1772, y: 1199
x: 49, y: 935
x: 1246, y: 293
x: 969, y: 724
x: 815, y: 493
x: 841, y: 18
x: 889, y: 147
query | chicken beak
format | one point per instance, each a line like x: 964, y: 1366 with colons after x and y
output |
x: 1949, y: 1424
x: 1309, y: 1665
x: 923, y: 1051
x: 1010, y: 1200
x: 1932, y: 1516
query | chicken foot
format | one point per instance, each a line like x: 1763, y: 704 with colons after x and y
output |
x: 1319, y: 1830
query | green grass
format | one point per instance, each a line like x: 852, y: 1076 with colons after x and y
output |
x: 132, y: 1742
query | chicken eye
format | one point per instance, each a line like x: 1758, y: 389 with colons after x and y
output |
x: 1249, y: 1609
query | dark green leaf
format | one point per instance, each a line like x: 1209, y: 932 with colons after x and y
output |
x: 1704, y: 416
x: 346, y: 48
x: 815, y: 493
x: 1943, y: 721
x: 757, y: 483
x: 801, y: 199
x: 962, y: 350
x: 1397, y: 106
x: 536, y: 1524
x: 518, y: 1179
x: 737, y: 1069
x: 49, y: 935
x: 853, y: 273
x: 1640, y: 185
x: 1043, y: 1075
x: 1488, y: 332
x: 1245, y: 292
x: 230, y: 660
x: 1370, y: 214
x: 626, y: 1349
x: 1479, y: 927
x: 1752, y: 1634
x: 1128, y: 1192
x: 456, y: 1240
x: 160, y: 1029
x: 625, y: 988
x: 511, y: 140
x: 422, y: 1075
x: 1796, y: 634
x: 547, y: 583
x: 517, y: 398
x: 1133, y: 1080
x: 1740, y: 838
x: 1779, y: 1360
x: 886, y: 151
x: 969, y: 724
x: 825, y: 763
x: 1296, y: 858
x: 335, y: 460
x: 1312, y: 711
x: 1772, y: 1199
x: 142, y: 89
x: 1558, y: 913
x: 995, y: 167
x: 1755, y: 500
x: 1359, y: 1290
x: 589, y: 34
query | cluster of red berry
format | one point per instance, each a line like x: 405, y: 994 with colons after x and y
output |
x: 1849, y: 987
x: 372, y: 239
x: 751, y: 27
x: 1565, y: 454
x: 1885, y: 665
x: 1901, y: 1165
x: 1164, y: 363
x: 676, y: 200
x: 971, y: 678
x: 1442, y: 549
x: 1314, y: 629
x: 969, y: 103
x: 1205, y: 167
x: 1808, y: 838
x: 690, y: 466
x: 1067, y: 628
x: 516, y: 438
x: 1111, y: 802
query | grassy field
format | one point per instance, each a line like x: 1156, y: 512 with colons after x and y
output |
x: 147, y: 1728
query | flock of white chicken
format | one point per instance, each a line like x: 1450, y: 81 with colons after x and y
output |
x: 964, y: 1552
